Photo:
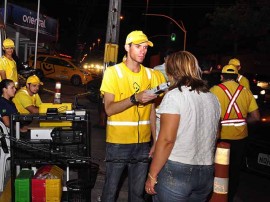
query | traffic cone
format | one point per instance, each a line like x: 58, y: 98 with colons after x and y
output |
x: 57, y: 94
x: 221, y: 180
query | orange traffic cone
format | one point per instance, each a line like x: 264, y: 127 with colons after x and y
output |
x: 221, y: 180
x: 57, y: 94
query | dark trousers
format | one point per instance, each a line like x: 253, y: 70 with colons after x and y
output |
x: 237, y: 154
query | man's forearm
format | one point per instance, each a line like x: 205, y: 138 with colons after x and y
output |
x: 117, y: 107
x: 3, y: 74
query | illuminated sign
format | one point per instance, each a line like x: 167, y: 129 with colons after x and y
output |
x: 27, y: 19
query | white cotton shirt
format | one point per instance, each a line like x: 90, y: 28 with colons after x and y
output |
x: 197, y: 131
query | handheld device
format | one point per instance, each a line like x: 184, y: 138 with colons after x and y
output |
x: 160, y: 88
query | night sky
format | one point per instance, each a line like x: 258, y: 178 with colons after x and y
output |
x: 83, y: 21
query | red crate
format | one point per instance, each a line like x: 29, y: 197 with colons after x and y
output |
x: 44, y: 189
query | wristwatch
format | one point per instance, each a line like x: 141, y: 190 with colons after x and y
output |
x: 133, y: 99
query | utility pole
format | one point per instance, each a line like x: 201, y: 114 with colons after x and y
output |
x: 112, y: 34
x: 111, y: 49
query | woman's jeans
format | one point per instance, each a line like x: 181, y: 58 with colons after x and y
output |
x: 118, y: 156
x: 182, y: 182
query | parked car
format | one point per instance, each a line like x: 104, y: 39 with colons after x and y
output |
x: 60, y: 68
x: 258, y: 147
x: 94, y: 68
x: 257, y: 90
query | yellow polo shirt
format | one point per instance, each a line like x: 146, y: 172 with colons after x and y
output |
x: 22, y: 99
x: 10, y: 67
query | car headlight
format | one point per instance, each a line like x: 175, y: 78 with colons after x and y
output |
x: 265, y: 119
x: 256, y: 96
x: 262, y: 92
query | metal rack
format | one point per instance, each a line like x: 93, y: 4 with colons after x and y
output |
x: 66, y: 161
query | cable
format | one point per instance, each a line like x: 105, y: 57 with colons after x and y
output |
x: 70, y: 157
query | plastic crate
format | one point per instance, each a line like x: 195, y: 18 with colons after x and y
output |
x: 23, y: 186
x: 47, y: 190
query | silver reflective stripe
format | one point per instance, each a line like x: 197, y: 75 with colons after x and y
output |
x: 239, y: 78
x: 119, y: 71
x: 233, y: 124
x: 25, y: 91
x: 127, y: 123
x: 148, y: 73
x: 121, y: 75
x: 233, y: 121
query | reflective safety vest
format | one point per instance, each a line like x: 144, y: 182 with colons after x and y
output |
x: 240, y: 121
x: 132, y: 125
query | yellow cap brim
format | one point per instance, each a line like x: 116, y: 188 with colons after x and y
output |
x: 150, y: 43
x: 40, y: 83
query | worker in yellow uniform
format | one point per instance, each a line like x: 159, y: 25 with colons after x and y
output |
x: 128, y: 105
x: 238, y: 107
x: 240, y: 79
x: 27, y: 100
x: 8, y: 67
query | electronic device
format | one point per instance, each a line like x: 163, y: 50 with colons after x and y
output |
x: 67, y: 135
x: 52, y: 111
x: 160, y: 88
x: 40, y: 133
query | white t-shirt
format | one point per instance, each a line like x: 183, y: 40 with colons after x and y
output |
x: 199, y: 118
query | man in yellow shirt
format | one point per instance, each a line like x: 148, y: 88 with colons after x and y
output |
x: 238, y: 107
x: 8, y: 67
x: 130, y: 111
x: 27, y: 100
x: 240, y: 79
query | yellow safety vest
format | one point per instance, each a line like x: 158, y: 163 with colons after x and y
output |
x: 133, y: 124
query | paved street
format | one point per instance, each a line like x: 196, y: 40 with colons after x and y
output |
x: 97, y: 133
x: 253, y: 188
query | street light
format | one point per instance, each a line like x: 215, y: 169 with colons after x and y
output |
x: 182, y: 27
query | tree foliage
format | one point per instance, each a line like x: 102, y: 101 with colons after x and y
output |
x: 243, y: 25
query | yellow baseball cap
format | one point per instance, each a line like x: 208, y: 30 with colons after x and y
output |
x: 8, y: 43
x: 34, y: 80
x: 234, y: 62
x: 229, y: 69
x: 138, y: 37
